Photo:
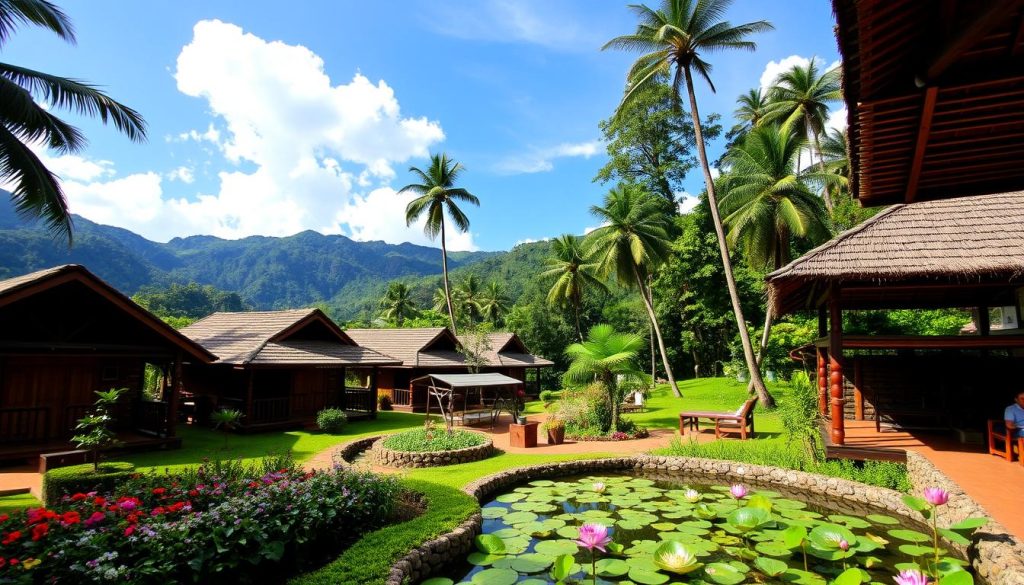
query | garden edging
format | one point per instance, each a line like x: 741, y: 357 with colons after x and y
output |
x: 995, y: 555
x: 381, y: 455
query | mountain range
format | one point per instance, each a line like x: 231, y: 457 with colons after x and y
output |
x: 268, y: 272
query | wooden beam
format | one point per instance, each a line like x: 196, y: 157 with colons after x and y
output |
x: 924, y: 129
x: 995, y: 13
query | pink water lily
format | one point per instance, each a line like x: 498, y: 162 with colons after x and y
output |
x: 738, y: 491
x: 936, y: 496
x: 593, y: 536
x: 843, y: 545
x: 598, y: 487
x: 911, y: 578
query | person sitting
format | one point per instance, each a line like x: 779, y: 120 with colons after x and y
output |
x: 1014, y: 416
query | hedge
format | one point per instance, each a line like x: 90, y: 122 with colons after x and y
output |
x: 82, y: 478
x: 370, y: 559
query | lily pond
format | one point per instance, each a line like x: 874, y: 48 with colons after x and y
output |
x: 655, y: 532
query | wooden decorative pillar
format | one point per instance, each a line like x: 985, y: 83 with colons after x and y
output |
x: 822, y: 382
x: 836, y: 367
x: 858, y: 394
x: 177, y: 387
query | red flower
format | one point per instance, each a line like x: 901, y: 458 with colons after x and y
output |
x: 4, y: 517
x: 3, y: 562
x: 37, y: 515
x: 159, y: 491
x: 39, y: 531
x: 158, y: 510
x: 69, y: 518
x: 11, y: 537
x: 78, y: 497
x: 112, y: 508
x: 133, y: 518
x: 13, y: 561
x: 99, y: 501
x: 193, y: 493
x: 130, y: 530
x: 254, y: 484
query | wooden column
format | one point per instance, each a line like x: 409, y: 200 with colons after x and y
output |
x: 173, y: 397
x: 822, y: 381
x: 836, y: 366
x: 248, y: 399
x: 858, y: 395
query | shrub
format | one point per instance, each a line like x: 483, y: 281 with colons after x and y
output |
x: 384, y: 401
x: 94, y: 429
x: 553, y: 424
x: 799, y: 413
x: 428, y: 440
x: 331, y: 420
x: 84, y: 478
x: 548, y: 396
x: 586, y: 411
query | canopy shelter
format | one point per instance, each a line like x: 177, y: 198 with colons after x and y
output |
x: 446, y: 389
x: 957, y: 254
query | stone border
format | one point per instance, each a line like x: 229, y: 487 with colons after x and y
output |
x: 346, y: 453
x: 381, y: 455
x: 995, y: 555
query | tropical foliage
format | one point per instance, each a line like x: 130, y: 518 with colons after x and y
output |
x: 607, y: 357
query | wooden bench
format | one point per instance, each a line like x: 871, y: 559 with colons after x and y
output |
x: 742, y: 419
x: 49, y: 461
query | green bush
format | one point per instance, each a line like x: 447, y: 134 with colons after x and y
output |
x: 586, y: 411
x: 384, y: 401
x: 548, y: 395
x: 331, y: 420
x: 83, y: 478
x: 369, y: 560
x: 431, y: 440
x: 799, y: 414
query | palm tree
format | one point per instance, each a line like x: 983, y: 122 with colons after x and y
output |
x: 605, y: 356
x: 437, y: 195
x: 769, y: 201
x: 632, y: 244
x: 440, y: 299
x: 467, y: 298
x: 750, y: 109
x: 673, y: 39
x: 397, y: 303
x: 23, y: 120
x: 571, y: 267
x: 802, y: 97
x: 493, y: 303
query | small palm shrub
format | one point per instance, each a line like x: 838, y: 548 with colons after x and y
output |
x: 331, y: 420
x: 384, y: 401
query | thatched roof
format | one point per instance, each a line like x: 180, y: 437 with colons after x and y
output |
x: 294, y: 337
x: 18, y: 288
x: 965, y: 240
x: 934, y: 93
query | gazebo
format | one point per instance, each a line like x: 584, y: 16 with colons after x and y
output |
x: 950, y: 253
x: 446, y: 390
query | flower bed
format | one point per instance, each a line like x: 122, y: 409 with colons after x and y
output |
x: 193, y: 527
x: 638, y: 433
x: 430, y: 448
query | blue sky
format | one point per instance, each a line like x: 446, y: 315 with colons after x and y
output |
x: 270, y: 121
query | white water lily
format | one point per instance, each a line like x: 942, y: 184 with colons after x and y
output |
x: 675, y: 557
x: 692, y: 496
x: 598, y: 487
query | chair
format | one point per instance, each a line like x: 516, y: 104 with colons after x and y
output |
x: 1001, y: 442
x: 742, y: 419
x: 630, y: 403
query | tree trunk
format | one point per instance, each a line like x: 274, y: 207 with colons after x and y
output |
x: 748, y: 350
x: 825, y: 194
x: 613, y: 394
x: 576, y: 310
x: 649, y: 305
x: 444, y: 269
x: 764, y: 343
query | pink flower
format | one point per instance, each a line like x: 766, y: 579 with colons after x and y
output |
x: 594, y: 536
x: 911, y: 578
x: 738, y: 491
x: 96, y: 517
x: 843, y: 545
x: 936, y: 496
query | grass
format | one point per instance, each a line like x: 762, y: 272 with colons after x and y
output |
x: 17, y: 502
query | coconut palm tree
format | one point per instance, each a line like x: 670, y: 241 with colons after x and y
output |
x: 631, y: 244
x: 674, y: 39
x: 769, y: 201
x: 27, y: 99
x: 397, y: 303
x: 467, y: 297
x: 802, y: 96
x: 438, y: 195
x: 494, y: 303
x: 573, y: 271
x: 606, y: 356
x: 439, y: 301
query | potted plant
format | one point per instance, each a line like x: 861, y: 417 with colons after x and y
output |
x: 555, y: 428
x: 518, y: 406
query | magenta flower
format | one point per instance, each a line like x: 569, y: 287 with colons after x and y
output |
x: 911, y: 578
x: 936, y: 496
x: 843, y: 545
x: 738, y: 491
x: 594, y: 536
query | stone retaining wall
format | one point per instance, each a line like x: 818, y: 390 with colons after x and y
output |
x: 381, y: 455
x: 996, y: 556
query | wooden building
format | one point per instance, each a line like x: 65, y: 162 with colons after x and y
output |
x: 436, y: 350
x: 279, y: 368
x: 955, y: 253
x: 64, y: 334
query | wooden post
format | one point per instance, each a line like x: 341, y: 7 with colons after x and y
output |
x: 173, y: 397
x: 822, y: 382
x: 835, y: 366
x: 373, y: 393
x: 858, y: 394
x: 248, y: 400
x: 984, y: 326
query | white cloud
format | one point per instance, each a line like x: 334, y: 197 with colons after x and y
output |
x: 538, y: 22
x: 715, y: 172
x: 529, y: 241
x: 837, y: 119
x: 541, y: 160
x: 307, y: 153
x: 72, y: 167
x: 774, y: 68
x: 686, y: 201
x: 587, y: 230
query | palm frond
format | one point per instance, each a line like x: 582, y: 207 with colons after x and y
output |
x: 36, y: 193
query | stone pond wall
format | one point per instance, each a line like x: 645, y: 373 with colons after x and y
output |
x: 996, y: 556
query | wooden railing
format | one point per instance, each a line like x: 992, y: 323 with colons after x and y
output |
x: 24, y: 424
x: 358, y: 399
x: 151, y: 418
x: 266, y: 410
x: 402, y: 397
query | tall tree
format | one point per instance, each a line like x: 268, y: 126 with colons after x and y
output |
x: 802, y: 96
x: 651, y: 143
x: 673, y: 39
x: 25, y: 120
x: 438, y: 196
x: 605, y: 356
x: 494, y: 303
x: 572, y: 269
x: 397, y: 304
x: 631, y: 244
x: 769, y: 201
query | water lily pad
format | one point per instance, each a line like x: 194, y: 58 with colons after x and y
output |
x: 829, y: 536
x: 490, y: 544
x: 849, y: 521
x: 509, y: 498
x: 747, y: 519
x: 496, y: 577
x: 787, y: 504
x: 556, y: 547
x: 532, y: 562
x: 770, y: 567
x: 724, y: 574
x: 647, y: 577
x: 542, y: 482
x: 801, y: 577
x: 909, y: 535
x: 772, y: 549
x: 518, y: 517
x: 492, y: 512
x: 612, y: 567
x: 571, y: 532
x: 507, y: 533
x: 663, y: 526
x: 917, y: 550
x: 882, y: 519
x: 482, y: 560
x: 438, y: 581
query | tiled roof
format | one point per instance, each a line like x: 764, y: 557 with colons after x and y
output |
x: 319, y: 352
x: 407, y: 345
x: 507, y: 350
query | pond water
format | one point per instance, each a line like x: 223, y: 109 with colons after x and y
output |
x: 665, y: 531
